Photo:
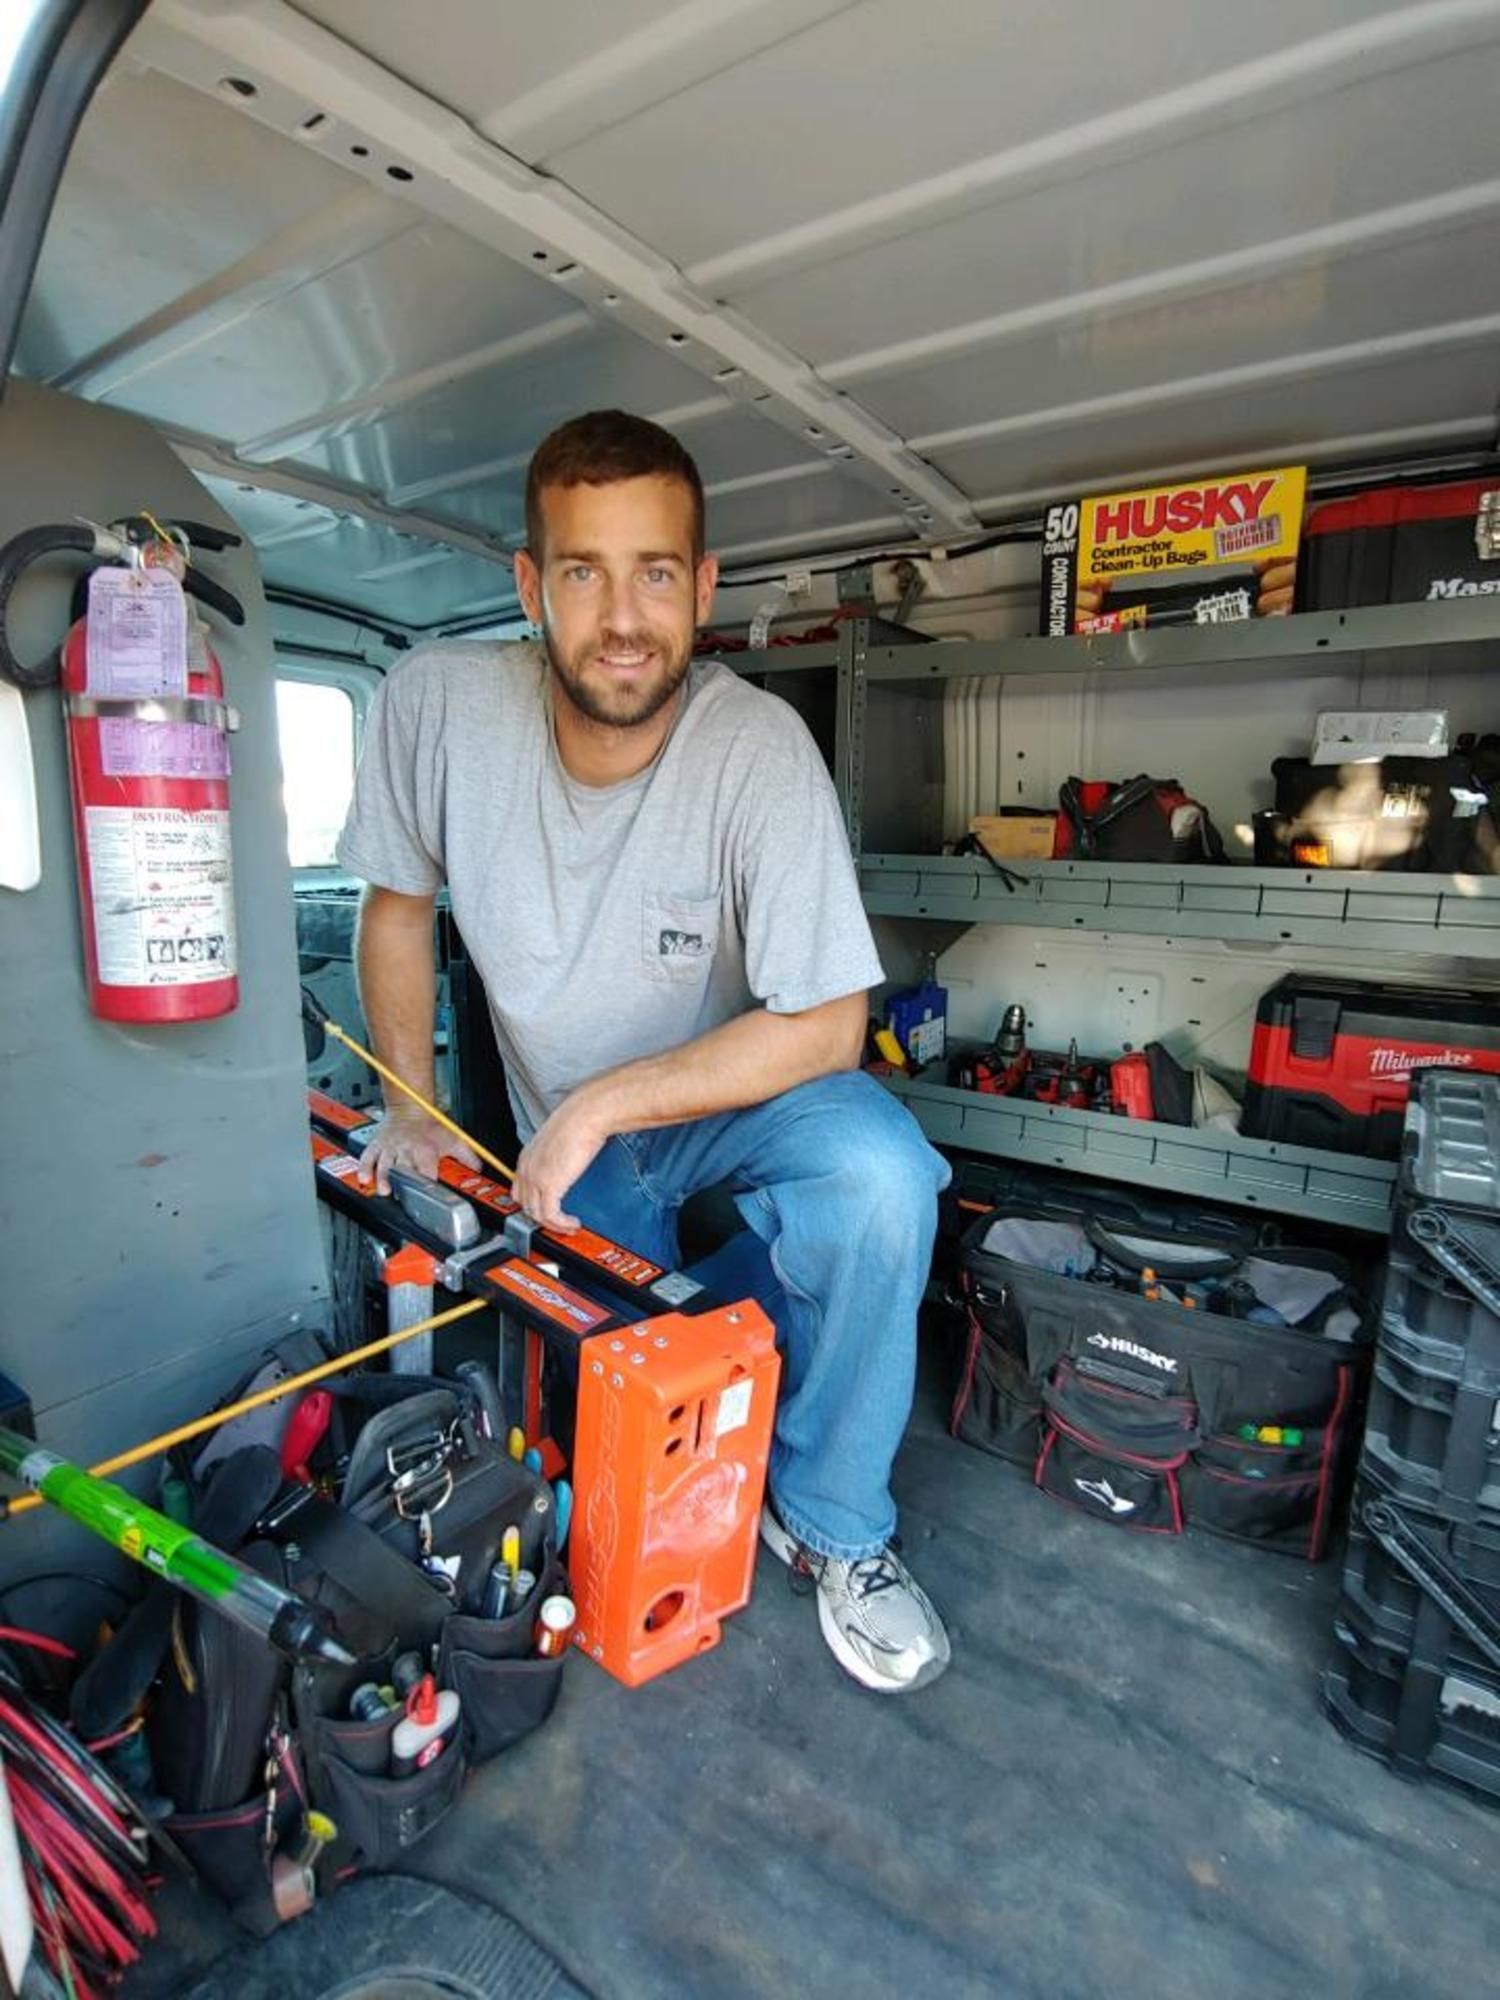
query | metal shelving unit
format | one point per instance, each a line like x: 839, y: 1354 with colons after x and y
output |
x: 888, y: 765
x: 1305, y: 640
x: 1340, y: 1188
x: 1455, y: 915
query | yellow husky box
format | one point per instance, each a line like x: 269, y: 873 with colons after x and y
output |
x: 1195, y: 553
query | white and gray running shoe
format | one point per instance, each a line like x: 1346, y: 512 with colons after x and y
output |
x: 877, y: 1619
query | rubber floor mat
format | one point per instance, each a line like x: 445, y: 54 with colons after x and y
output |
x: 390, y: 1937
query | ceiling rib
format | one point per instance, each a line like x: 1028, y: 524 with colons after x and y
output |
x: 401, y: 390
x: 477, y: 474
x: 339, y: 231
x: 404, y: 565
x: 1222, y: 382
x: 201, y: 454
x: 1269, y: 83
x: 618, y: 81
x: 779, y: 475
x: 299, y: 70
x: 312, y: 528
x: 1381, y: 229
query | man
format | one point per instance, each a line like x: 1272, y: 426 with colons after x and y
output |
x: 647, y: 864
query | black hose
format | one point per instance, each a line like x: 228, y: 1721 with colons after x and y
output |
x: 74, y: 538
x: 214, y: 595
x: 215, y: 540
x: 143, y: 528
x: 17, y: 555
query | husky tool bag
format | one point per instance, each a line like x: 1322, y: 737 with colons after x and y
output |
x: 1141, y: 819
x: 1161, y: 1370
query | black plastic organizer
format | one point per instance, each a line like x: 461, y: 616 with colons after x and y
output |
x: 1415, y: 1676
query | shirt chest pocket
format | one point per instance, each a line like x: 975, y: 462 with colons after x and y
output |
x: 679, y: 935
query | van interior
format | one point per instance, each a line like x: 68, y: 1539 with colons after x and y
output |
x: 318, y: 277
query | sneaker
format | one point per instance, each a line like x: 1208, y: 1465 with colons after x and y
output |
x: 878, y: 1621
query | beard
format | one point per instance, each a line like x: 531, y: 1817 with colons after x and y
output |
x: 622, y: 703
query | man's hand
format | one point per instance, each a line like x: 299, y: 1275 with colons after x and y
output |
x: 560, y: 1154
x: 408, y: 1138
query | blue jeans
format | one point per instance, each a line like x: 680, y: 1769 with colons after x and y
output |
x: 839, y: 1191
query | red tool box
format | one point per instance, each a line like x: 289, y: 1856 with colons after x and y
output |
x: 1332, y: 1059
x: 1400, y: 544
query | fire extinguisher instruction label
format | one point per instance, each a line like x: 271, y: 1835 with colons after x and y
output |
x: 132, y: 749
x: 137, y: 633
x: 163, y: 906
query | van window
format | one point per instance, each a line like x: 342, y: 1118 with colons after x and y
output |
x: 315, y: 720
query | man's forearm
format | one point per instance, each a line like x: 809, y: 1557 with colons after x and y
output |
x: 398, y: 984
x: 747, y: 1061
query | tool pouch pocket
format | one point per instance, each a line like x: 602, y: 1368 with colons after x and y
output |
x: 1272, y: 1494
x: 997, y: 1406
x: 1115, y: 1451
x: 228, y: 1851
x: 489, y: 1663
x: 379, y: 1817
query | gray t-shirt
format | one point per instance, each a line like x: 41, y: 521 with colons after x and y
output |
x: 609, y: 923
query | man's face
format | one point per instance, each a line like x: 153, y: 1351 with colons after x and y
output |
x: 617, y: 594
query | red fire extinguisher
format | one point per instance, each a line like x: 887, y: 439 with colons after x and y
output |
x: 149, y: 774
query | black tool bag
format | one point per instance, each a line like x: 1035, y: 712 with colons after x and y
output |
x: 1134, y: 821
x: 1232, y: 1414
x: 398, y: 1553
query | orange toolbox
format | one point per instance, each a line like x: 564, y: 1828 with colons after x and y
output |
x: 672, y: 1444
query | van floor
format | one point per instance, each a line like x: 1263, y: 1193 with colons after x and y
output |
x: 1124, y: 1785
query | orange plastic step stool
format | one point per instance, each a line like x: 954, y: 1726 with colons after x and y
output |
x: 673, y: 1438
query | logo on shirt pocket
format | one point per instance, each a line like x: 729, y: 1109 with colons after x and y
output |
x: 680, y: 934
x: 681, y: 944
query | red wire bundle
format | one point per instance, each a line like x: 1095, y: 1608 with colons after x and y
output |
x: 84, y: 1846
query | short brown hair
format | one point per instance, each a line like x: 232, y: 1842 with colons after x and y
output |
x: 600, y: 448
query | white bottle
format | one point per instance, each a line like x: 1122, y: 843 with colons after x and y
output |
x: 424, y: 1731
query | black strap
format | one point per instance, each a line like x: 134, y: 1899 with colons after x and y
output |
x: 1190, y: 1260
x: 1120, y: 799
x: 372, y: 1573
x: 972, y: 844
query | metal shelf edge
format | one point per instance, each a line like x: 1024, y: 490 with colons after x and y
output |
x: 1455, y: 916
x: 1342, y: 1188
x: 1307, y: 636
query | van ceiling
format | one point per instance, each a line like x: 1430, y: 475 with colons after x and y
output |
x: 895, y: 273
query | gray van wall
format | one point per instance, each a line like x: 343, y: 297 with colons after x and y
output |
x: 157, y: 1215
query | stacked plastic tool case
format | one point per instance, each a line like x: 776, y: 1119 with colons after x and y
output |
x: 1415, y: 1677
